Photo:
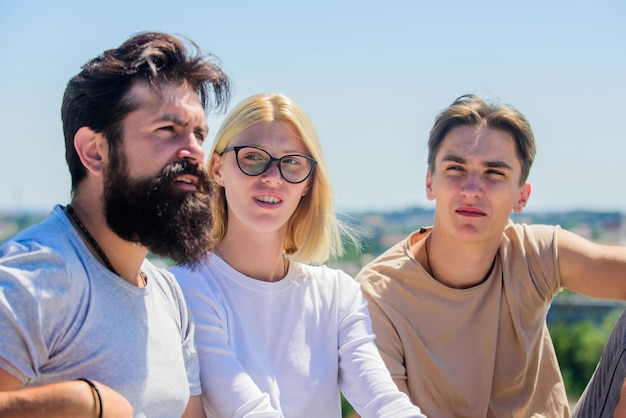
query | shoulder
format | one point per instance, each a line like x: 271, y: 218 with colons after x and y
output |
x: 320, y: 276
x: 191, y: 276
x: 35, y: 275
x: 390, y: 266
x: 31, y: 256
x: 327, y: 289
x: 535, y: 237
x: 43, y: 250
x: 324, y: 282
x: 43, y: 279
x: 529, y: 260
x: 164, y: 278
x: 202, y: 283
x: 530, y: 229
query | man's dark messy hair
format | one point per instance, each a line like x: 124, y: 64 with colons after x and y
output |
x: 97, y: 97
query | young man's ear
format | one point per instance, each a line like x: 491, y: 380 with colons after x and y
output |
x: 524, y: 194
x: 92, y: 149
x: 430, y: 194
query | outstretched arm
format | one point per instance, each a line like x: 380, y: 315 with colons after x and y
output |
x: 73, y: 398
x: 591, y: 269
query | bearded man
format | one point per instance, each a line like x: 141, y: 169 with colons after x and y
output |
x: 89, y: 326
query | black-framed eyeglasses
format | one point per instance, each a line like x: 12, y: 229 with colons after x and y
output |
x: 254, y: 161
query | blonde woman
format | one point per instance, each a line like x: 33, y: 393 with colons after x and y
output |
x: 278, y: 333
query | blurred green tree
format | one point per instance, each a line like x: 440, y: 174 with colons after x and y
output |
x: 578, y: 348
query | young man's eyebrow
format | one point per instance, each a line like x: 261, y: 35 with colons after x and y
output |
x: 453, y: 158
x: 489, y: 164
x: 497, y: 164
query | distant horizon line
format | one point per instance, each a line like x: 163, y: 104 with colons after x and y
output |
x: 399, y: 208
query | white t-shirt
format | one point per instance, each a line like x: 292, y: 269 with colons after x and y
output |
x: 286, y: 348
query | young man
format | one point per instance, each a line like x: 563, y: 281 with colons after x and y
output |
x: 459, y: 309
x: 89, y: 326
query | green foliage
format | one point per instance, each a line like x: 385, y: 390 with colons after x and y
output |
x: 578, y: 348
x: 347, y: 411
x: 353, y: 250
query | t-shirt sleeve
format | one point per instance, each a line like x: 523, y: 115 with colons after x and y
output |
x: 540, y: 249
x: 190, y: 354
x: 33, y: 299
x: 387, y: 339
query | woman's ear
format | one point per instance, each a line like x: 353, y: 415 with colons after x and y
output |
x: 306, y: 188
x: 216, y: 168
x: 92, y: 149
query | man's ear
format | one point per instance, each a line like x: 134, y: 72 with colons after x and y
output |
x: 92, y: 149
x: 430, y: 194
x: 524, y: 194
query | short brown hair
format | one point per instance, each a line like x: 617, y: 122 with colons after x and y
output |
x: 472, y: 110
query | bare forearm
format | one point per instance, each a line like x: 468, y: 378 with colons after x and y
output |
x: 65, y: 399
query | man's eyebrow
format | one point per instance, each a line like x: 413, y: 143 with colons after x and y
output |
x: 169, y: 117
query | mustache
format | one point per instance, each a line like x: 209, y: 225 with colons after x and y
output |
x: 172, y: 171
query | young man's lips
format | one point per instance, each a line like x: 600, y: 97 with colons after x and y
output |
x: 470, y: 211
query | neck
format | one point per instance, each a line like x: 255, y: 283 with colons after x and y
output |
x: 121, y: 257
x: 455, y: 264
x: 260, y: 259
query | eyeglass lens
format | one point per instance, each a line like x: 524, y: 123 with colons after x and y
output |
x: 254, y: 161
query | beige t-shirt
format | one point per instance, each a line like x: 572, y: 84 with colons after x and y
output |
x: 478, y: 352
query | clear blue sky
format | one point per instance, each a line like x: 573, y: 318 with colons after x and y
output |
x: 372, y: 76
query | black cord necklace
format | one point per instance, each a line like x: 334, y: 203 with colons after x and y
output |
x: 91, y: 241
x: 426, y: 242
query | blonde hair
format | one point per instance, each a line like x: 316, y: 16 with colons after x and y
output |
x: 313, y: 231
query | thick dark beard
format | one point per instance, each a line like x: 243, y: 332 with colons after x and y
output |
x: 170, y: 222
